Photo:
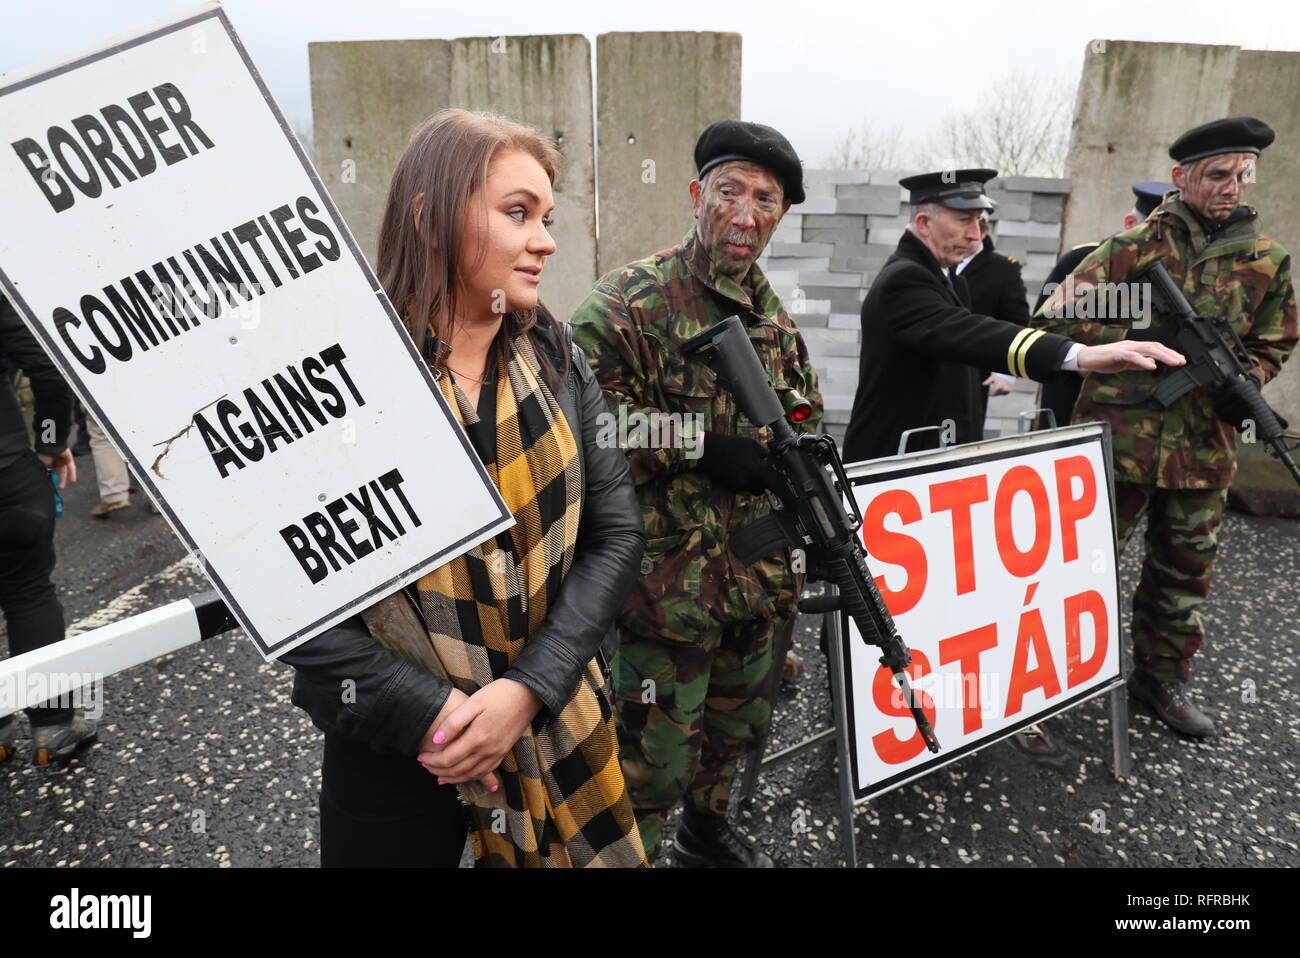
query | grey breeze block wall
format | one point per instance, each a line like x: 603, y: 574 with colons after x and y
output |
x: 827, y: 251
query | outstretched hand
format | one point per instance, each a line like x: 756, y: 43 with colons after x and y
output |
x: 1126, y: 354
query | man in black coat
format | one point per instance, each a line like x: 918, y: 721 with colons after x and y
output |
x: 922, y: 349
x: 1059, y: 396
x: 996, y: 289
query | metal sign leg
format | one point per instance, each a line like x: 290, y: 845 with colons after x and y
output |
x: 1123, y: 757
x: 841, y: 711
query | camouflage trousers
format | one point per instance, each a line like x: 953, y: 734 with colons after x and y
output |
x: 687, y: 713
x: 1176, y: 572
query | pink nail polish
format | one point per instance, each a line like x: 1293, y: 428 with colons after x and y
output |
x: 495, y: 787
x: 442, y: 781
x: 438, y: 738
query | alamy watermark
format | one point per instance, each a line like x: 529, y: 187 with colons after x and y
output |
x: 83, y: 691
x: 1130, y: 302
x: 632, y: 429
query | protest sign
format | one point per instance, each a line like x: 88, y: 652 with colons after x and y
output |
x: 167, y: 240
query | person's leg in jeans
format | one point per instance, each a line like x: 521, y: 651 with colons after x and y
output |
x: 32, y: 612
x: 383, y: 811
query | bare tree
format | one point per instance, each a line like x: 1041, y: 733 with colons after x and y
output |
x: 867, y: 149
x: 1020, y: 128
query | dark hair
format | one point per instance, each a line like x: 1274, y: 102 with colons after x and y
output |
x: 419, y: 263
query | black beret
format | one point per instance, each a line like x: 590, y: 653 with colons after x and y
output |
x: 1150, y: 194
x: 729, y: 140
x: 1233, y: 134
x: 955, y: 189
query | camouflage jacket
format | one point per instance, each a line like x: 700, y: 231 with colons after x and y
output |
x: 632, y: 326
x: 1234, y: 272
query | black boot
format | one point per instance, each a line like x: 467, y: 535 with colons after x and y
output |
x: 1170, y: 703
x: 708, y: 841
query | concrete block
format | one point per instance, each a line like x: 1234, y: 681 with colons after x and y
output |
x: 782, y: 279
x: 1046, y: 207
x: 1032, y: 184
x: 888, y: 222
x: 811, y: 320
x: 791, y: 232
x: 830, y: 336
x: 845, y: 321
x: 801, y: 304
x: 887, y: 236
x: 1044, y: 244
x: 847, y: 221
x: 800, y: 249
x: 1027, y: 228
x: 852, y: 249
x: 813, y: 234
x: 816, y: 204
x: 1011, y: 205
x: 820, y: 188
x: 865, y: 190
x: 825, y: 349
x: 851, y: 264
x: 796, y: 264
x: 828, y: 278
x: 864, y: 198
x: 843, y: 368
x: 842, y: 299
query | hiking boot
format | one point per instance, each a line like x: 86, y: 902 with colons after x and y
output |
x: 59, y: 742
x: 102, y: 509
x: 708, y: 841
x: 8, y: 737
x: 1170, y: 703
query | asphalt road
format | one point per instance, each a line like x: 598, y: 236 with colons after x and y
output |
x: 203, y: 761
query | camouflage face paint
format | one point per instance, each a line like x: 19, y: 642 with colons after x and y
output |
x: 737, y: 208
x: 1216, y: 185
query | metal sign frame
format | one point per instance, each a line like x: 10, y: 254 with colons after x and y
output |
x: 842, y: 731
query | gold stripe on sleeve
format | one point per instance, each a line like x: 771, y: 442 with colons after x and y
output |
x: 1011, y: 351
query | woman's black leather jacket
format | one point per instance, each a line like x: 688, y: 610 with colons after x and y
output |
x: 394, y: 701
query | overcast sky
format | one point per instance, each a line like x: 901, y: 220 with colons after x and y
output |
x: 811, y: 68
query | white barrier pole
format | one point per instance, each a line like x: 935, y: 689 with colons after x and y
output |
x: 32, y: 678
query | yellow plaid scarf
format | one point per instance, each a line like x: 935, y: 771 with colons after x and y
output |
x: 565, y: 800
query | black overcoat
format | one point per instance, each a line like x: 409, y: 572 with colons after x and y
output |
x: 922, y: 352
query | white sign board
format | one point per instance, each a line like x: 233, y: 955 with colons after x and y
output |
x: 166, y: 238
x: 997, y: 561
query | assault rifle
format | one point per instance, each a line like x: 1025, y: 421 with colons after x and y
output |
x: 1216, y: 357
x: 807, y: 477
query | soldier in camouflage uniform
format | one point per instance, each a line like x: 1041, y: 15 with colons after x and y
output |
x: 1175, y: 465
x: 696, y: 633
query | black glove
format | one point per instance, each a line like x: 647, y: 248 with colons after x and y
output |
x: 734, y: 462
x: 1164, y: 335
x: 1238, y: 400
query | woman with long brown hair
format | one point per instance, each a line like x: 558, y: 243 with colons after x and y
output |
x: 484, y: 672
